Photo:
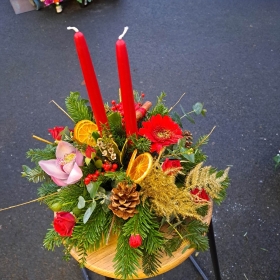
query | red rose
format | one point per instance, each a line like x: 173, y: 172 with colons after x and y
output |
x: 89, y: 151
x: 135, y: 241
x: 55, y: 132
x: 64, y: 223
x: 202, y: 194
x: 171, y: 164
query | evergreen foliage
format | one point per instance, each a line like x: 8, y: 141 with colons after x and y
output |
x: 159, y: 107
x: 36, y: 155
x: 34, y: 175
x: 77, y: 108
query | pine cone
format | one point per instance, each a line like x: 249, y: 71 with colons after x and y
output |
x: 188, y: 135
x: 124, y: 200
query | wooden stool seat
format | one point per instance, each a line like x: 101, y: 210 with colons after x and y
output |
x: 101, y: 260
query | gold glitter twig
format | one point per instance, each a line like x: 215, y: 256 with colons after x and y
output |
x: 63, y: 110
x: 34, y: 200
x: 41, y: 139
x: 171, y: 108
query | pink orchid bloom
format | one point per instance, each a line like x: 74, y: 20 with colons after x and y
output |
x: 64, y: 170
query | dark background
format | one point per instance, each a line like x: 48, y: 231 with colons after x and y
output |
x: 222, y: 53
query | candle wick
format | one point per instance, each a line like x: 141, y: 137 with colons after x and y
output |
x: 73, y: 28
x: 124, y: 32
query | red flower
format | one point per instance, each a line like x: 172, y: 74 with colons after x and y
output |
x: 89, y: 151
x: 55, y: 132
x: 64, y: 223
x: 171, y: 164
x: 202, y: 194
x: 161, y: 131
x: 135, y: 241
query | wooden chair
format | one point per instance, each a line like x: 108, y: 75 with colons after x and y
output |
x: 101, y: 260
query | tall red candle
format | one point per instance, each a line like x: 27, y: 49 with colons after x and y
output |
x: 126, y: 87
x: 93, y: 90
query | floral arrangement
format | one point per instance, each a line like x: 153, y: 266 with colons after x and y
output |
x: 101, y: 182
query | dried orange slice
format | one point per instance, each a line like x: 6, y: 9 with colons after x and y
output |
x: 133, y: 156
x: 139, y: 167
x: 83, y: 132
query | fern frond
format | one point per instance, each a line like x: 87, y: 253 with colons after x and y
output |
x: 212, y: 181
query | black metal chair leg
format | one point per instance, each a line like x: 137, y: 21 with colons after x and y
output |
x: 198, y: 268
x: 213, y: 252
x: 85, y: 274
x: 108, y: 278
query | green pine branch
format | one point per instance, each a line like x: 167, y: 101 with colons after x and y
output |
x: 145, y: 224
x: 195, y: 232
x: 159, y: 107
x: 171, y: 245
x: 34, y: 175
x: 141, y: 144
x: 77, y: 108
x: 52, y: 240
x: 47, y: 188
x: 150, y: 263
x: 36, y: 155
x: 126, y: 260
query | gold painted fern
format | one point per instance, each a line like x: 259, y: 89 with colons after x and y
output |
x: 206, y: 178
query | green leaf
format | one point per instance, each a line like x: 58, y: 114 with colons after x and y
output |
x: 177, y: 119
x: 197, y: 107
x: 92, y: 188
x: 81, y: 203
x: 89, y: 212
x: 187, y: 155
x: 277, y: 160
x: 203, y: 112
x: 186, y: 248
x: 115, y: 119
x: 189, y: 119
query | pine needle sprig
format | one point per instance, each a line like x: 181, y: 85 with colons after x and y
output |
x: 203, y: 140
x: 36, y: 155
x: 145, y: 224
x: 52, y: 240
x: 195, y: 234
x: 34, y: 175
x: 141, y: 144
x: 77, y: 107
x: 126, y: 260
x: 171, y: 245
x: 150, y: 263
x: 159, y: 107
x: 47, y: 188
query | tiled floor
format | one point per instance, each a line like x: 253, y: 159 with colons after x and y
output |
x: 22, y: 6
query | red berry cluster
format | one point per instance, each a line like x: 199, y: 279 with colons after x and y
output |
x: 119, y: 107
x: 108, y: 166
x: 92, y: 177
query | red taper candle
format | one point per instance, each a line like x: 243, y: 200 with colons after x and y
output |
x: 91, y: 83
x: 126, y: 86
